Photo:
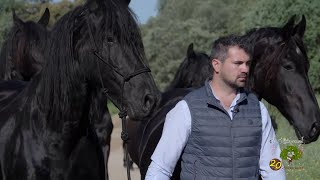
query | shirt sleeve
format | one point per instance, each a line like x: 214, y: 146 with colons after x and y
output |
x: 270, y: 149
x: 175, y: 133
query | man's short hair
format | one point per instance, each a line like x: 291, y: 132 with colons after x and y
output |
x: 220, y: 46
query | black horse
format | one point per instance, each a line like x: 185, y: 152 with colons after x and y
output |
x: 279, y: 74
x: 21, y: 53
x: 22, y: 57
x: 279, y: 60
x: 45, y: 131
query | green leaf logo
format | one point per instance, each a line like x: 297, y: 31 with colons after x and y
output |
x: 291, y: 153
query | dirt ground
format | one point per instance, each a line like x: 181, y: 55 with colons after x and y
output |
x: 115, y: 164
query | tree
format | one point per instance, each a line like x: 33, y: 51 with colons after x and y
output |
x: 180, y: 22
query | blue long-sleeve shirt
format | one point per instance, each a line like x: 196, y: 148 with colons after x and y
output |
x: 177, y: 128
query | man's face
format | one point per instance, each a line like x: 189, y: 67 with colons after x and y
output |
x: 235, y: 68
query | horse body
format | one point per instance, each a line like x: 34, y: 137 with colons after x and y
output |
x: 46, y: 129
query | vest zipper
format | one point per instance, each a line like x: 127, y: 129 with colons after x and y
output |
x: 232, y: 148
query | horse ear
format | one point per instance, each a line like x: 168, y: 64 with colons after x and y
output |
x: 92, y: 4
x: 16, y: 20
x: 128, y: 2
x: 300, y: 28
x: 190, y: 51
x: 288, y: 29
x: 44, y: 20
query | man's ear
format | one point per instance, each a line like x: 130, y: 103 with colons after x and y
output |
x: 216, y: 64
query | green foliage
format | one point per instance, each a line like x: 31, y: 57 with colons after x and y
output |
x: 112, y: 108
x: 180, y: 22
x: 5, y: 17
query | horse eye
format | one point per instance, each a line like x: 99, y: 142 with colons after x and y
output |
x: 109, y: 40
x: 288, y: 67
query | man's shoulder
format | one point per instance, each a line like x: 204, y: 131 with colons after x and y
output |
x: 250, y: 95
x: 196, y: 94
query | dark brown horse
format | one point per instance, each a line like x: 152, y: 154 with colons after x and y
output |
x: 279, y: 60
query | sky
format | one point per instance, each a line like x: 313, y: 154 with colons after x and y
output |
x: 144, y: 9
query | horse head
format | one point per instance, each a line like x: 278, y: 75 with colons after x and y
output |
x: 107, y: 41
x: 193, y: 71
x: 23, y: 48
x: 279, y: 74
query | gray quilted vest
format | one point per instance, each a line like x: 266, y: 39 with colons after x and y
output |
x: 219, y: 148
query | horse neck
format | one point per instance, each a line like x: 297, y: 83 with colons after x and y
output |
x: 61, y: 121
x: 176, y: 82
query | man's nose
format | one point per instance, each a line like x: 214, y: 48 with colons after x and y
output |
x: 245, y: 68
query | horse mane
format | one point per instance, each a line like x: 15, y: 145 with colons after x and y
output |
x: 60, y: 75
x: 7, y: 53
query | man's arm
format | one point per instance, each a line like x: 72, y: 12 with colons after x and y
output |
x: 270, y: 149
x: 175, y: 134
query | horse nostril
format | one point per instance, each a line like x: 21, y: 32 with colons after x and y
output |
x: 314, y: 130
x: 149, y: 102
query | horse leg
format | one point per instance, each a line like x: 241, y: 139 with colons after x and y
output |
x: 124, y: 158
x: 107, y: 145
x: 86, y: 161
x: 0, y: 172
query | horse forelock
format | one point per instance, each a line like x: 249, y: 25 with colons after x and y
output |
x: 121, y: 21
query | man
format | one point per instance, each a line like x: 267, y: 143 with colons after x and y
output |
x: 220, y: 130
